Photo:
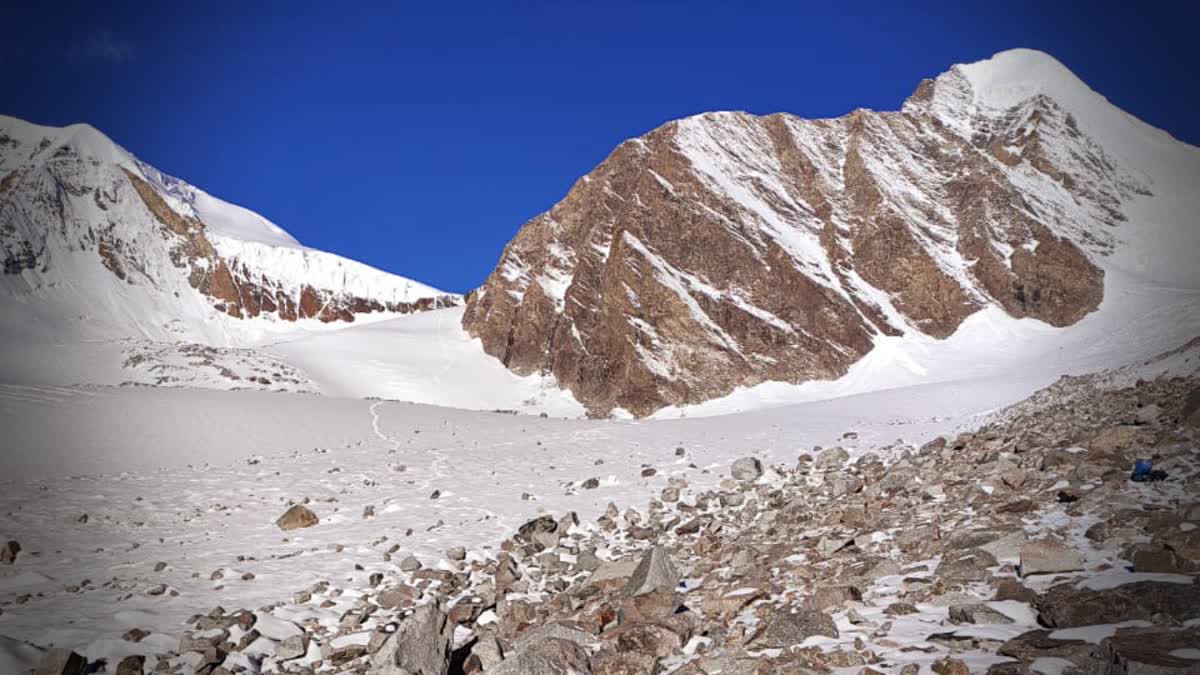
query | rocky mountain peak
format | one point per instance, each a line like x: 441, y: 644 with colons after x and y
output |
x: 726, y: 249
x: 86, y: 226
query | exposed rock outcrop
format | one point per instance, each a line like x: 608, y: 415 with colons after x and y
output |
x: 727, y: 249
x: 70, y: 198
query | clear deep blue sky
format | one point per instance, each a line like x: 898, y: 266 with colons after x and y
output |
x: 418, y: 138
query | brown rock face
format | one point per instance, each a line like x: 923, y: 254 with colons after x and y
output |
x: 241, y: 292
x: 297, y: 517
x: 726, y: 249
x: 72, y: 202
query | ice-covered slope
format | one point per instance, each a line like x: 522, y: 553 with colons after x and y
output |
x: 424, y: 358
x: 1160, y: 236
x: 96, y: 244
x: 727, y: 250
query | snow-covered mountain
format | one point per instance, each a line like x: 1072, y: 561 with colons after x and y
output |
x: 96, y: 244
x: 727, y: 249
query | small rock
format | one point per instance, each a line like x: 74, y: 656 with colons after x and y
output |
x: 1065, y: 606
x: 1013, y: 478
x: 900, y: 609
x: 60, y: 661
x: 832, y: 458
x: 977, y: 613
x: 8, y: 552
x: 587, y: 561
x: 784, y: 629
x: 292, y: 648
x: 507, y: 572
x: 398, y: 596
x: 1047, y: 557
x: 134, y: 664
x: 950, y: 666
x: 829, y: 545
x: 1011, y: 589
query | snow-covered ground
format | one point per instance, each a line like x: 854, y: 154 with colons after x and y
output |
x: 195, y: 479
x: 422, y: 358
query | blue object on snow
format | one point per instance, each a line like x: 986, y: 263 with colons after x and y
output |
x: 1141, y: 470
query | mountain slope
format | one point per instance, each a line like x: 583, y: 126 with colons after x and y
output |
x: 96, y: 244
x: 725, y: 250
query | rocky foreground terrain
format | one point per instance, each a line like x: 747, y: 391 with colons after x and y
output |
x: 1020, y: 547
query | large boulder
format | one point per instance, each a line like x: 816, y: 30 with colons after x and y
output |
x: 1122, y: 437
x: 785, y: 629
x: 1037, y: 644
x: 547, y: 656
x: 134, y: 664
x: 1153, y: 651
x: 292, y: 647
x: 746, y: 468
x: 299, y: 516
x: 1048, y: 557
x: 972, y: 564
x: 977, y: 613
x: 542, y: 533
x: 420, y: 646
x: 655, y: 572
x: 1191, y: 409
x: 1066, y: 606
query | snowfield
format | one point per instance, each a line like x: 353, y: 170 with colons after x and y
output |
x: 196, y: 478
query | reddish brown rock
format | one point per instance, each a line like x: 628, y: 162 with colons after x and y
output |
x: 237, y: 290
x: 726, y: 249
x: 297, y: 517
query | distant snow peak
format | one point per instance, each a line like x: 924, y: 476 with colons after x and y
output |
x: 88, y: 228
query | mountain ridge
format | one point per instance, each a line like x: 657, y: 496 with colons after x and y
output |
x: 73, y: 198
x: 725, y: 249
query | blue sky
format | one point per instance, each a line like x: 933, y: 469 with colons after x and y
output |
x: 418, y: 138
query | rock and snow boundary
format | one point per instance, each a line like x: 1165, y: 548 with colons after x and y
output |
x: 1019, y: 547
